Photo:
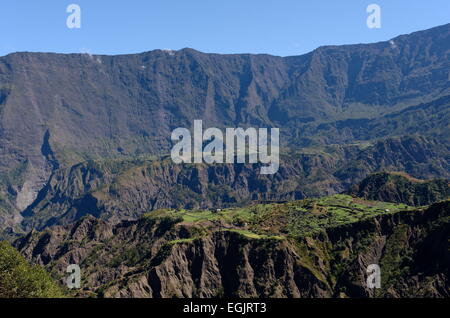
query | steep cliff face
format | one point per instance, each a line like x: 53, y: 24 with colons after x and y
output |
x: 93, y: 106
x: 256, y: 253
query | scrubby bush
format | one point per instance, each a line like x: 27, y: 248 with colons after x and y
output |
x: 18, y: 279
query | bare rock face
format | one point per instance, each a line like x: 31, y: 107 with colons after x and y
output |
x: 166, y: 258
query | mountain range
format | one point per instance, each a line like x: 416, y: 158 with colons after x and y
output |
x: 85, y: 142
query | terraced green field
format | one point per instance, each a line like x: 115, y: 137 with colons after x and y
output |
x: 291, y: 219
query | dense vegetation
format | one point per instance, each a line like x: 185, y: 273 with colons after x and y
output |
x: 400, y: 187
x: 18, y: 279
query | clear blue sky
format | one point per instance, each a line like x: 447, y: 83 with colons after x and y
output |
x: 279, y: 27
